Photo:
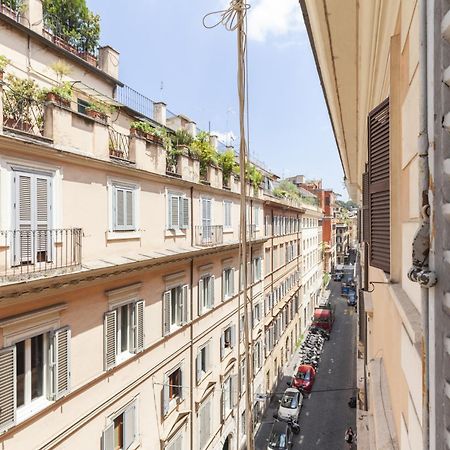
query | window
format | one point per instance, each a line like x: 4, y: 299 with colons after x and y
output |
x: 267, y: 261
x: 176, y: 443
x: 243, y: 424
x: 205, y: 293
x: 33, y: 372
x: 123, y: 332
x: 204, y: 422
x: 203, y: 361
x: 256, y: 216
x: 123, y: 207
x: 122, y: 431
x: 229, y: 389
x: 256, y: 314
x: 172, y: 389
x: 178, y: 212
x: 175, y: 308
x: 257, y: 273
x: 82, y: 105
x: 227, y: 283
x: 227, y: 340
x: 257, y: 355
x: 227, y: 214
x: 242, y: 375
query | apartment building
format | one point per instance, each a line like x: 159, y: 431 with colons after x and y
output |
x: 384, y: 72
x: 342, y: 242
x: 120, y: 289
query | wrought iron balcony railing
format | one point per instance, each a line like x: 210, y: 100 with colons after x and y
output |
x: 25, y: 253
x: 119, y: 144
x: 209, y: 235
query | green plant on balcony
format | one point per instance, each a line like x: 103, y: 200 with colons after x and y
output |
x: 287, y: 189
x: 22, y: 104
x: 18, y: 6
x: 202, y: 149
x: 62, y: 92
x: 147, y: 130
x: 99, y: 109
x: 72, y: 21
x: 227, y: 162
x: 253, y: 176
x: 181, y: 138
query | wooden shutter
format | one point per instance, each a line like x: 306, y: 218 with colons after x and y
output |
x: 7, y: 387
x: 184, y: 297
x: 129, y: 209
x: 198, y: 365
x: 165, y: 396
x: 139, y: 326
x: 365, y: 207
x: 129, y: 425
x: 174, y: 211
x: 42, y: 215
x: 108, y: 438
x: 184, y: 212
x: 167, y: 299
x: 233, y: 336
x: 379, y: 187
x: 222, y: 344
x: 61, y: 363
x: 24, y: 202
x: 200, y: 295
x: 120, y: 208
x: 110, y: 338
x: 211, y: 291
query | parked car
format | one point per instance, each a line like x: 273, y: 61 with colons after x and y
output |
x: 304, y: 378
x: 338, y: 276
x: 351, y: 300
x: 290, y: 404
x: 323, y: 318
x: 281, y: 436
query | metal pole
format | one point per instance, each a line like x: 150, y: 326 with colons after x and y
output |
x: 243, y: 222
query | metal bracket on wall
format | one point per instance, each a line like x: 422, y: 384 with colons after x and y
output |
x: 373, y: 283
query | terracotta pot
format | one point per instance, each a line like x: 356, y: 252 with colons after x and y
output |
x: 55, y: 98
x: 88, y: 57
x: 96, y: 115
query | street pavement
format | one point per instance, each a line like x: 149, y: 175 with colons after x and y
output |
x: 325, y: 414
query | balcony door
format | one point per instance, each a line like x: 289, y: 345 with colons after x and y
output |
x: 32, y: 207
x: 206, y: 218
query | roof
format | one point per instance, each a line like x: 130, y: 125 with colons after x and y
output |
x: 319, y: 312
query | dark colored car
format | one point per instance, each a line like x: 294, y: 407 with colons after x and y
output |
x: 281, y: 436
x: 338, y: 276
x: 304, y: 378
x: 351, y: 301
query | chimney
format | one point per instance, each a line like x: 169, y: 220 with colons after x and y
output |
x: 191, y: 128
x: 33, y: 15
x: 160, y: 113
x: 213, y: 140
x: 108, y: 61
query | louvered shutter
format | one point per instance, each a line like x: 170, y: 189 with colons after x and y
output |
x: 139, y: 326
x: 379, y: 187
x: 174, y: 211
x: 207, y: 356
x: 120, y: 208
x: 61, y: 363
x: 165, y: 396
x: 129, y: 425
x: 24, y: 207
x: 185, y: 212
x: 233, y: 336
x: 223, y: 284
x: 211, y: 291
x: 108, y: 438
x: 167, y: 297
x: 222, y: 345
x: 129, y: 209
x: 365, y: 208
x: 42, y: 215
x: 200, y: 296
x: 7, y: 387
x: 198, y: 365
x: 184, y: 297
x: 110, y: 337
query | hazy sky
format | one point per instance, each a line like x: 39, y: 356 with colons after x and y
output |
x: 167, y: 54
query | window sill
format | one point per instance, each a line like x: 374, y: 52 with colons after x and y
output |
x: 25, y: 412
x: 175, y: 232
x: 122, y: 357
x: 173, y: 406
x: 122, y: 235
x: 204, y: 376
x: 228, y: 231
x: 227, y: 352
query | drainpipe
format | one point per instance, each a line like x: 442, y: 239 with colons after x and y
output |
x: 420, y: 272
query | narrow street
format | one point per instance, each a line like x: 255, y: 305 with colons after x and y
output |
x: 325, y: 415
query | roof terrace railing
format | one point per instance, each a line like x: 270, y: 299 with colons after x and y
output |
x: 135, y: 101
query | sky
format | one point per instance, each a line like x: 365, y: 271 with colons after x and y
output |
x: 168, y: 55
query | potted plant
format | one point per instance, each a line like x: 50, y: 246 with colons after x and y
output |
x: 62, y: 92
x: 181, y: 139
x: 4, y: 61
x: 21, y: 105
x: 254, y: 177
x: 147, y: 131
x: 205, y: 152
x: 99, y: 110
x: 227, y: 162
x: 89, y: 34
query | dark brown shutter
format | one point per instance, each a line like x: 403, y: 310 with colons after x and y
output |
x: 379, y: 195
x: 365, y: 207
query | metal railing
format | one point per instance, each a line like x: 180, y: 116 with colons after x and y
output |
x: 119, y: 144
x: 135, y: 100
x: 25, y: 253
x: 11, y: 8
x: 66, y: 36
x: 22, y: 113
x: 172, y: 166
x: 208, y: 235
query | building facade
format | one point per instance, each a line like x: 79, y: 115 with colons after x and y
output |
x: 121, y: 313
x: 384, y: 72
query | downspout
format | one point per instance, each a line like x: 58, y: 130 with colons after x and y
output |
x: 191, y: 350
x: 420, y: 272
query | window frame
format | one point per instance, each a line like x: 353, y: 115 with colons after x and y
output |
x: 228, y: 290
x: 182, y: 218
x: 227, y: 204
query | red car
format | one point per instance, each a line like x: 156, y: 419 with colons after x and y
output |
x: 304, y: 378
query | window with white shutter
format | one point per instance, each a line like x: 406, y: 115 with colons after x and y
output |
x: 172, y: 392
x: 176, y: 443
x: 227, y: 214
x: 61, y: 362
x: 175, y: 308
x: 122, y: 431
x: 205, y: 293
x: 110, y: 339
x: 124, y: 207
x: 227, y: 283
x: 204, y: 424
x: 203, y: 361
x: 178, y: 212
x: 7, y: 387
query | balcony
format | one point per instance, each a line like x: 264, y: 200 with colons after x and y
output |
x: 27, y: 254
x: 207, y: 236
x: 119, y: 144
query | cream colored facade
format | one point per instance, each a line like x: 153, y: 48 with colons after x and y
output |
x: 366, y: 52
x: 120, y: 306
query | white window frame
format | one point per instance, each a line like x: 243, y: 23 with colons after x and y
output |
x: 201, y: 426
x: 116, y: 185
x: 172, y: 402
x: 182, y: 312
x: 227, y: 225
x: 182, y: 199
x: 206, y: 291
x: 227, y: 349
x: 228, y: 290
x: 201, y: 374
